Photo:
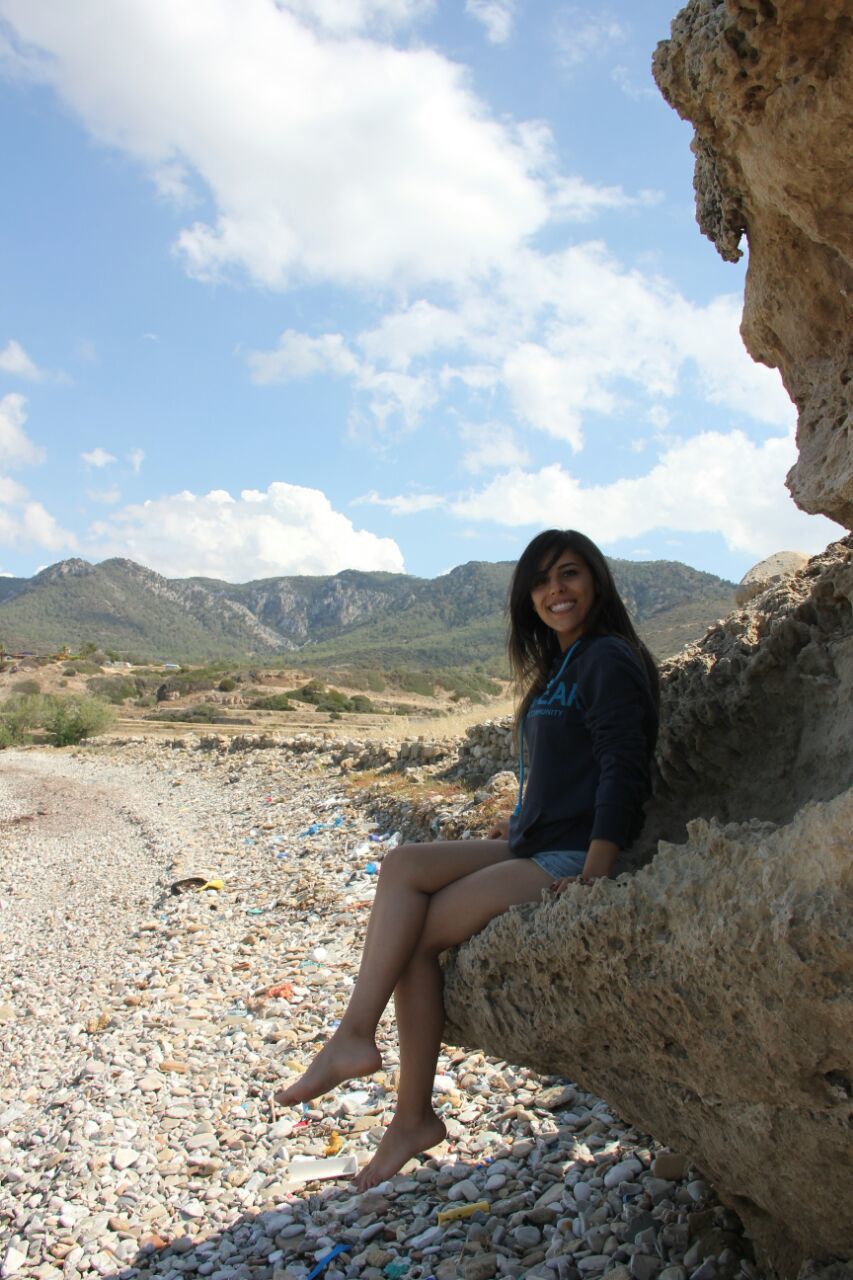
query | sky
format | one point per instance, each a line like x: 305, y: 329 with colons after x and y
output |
x: 294, y: 286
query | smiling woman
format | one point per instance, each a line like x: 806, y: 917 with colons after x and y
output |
x: 589, y: 724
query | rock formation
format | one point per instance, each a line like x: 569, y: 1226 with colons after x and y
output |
x: 708, y: 997
x: 767, y: 87
x: 767, y: 572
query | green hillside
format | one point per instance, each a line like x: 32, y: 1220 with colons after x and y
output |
x: 358, y: 619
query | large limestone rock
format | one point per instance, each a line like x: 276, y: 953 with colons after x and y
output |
x: 757, y: 718
x: 769, y: 90
x: 709, y: 997
x: 767, y: 572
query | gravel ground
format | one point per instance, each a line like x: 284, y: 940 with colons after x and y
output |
x: 142, y: 1034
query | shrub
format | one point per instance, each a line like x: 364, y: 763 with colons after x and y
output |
x: 26, y: 687
x: 82, y: 669
x: 114, y: 689
x: 19, y: 715
x: 227, y: 685
x: 275, y: 702
x: 70, y: 720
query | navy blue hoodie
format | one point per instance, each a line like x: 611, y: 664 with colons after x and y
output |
x: 590, y: 737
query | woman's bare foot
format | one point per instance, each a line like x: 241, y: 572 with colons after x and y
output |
x: 343, y: 1058
x: 401, y: 1141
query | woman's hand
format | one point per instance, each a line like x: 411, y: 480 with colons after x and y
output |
x: 500, y: 829
x: 561, y: 885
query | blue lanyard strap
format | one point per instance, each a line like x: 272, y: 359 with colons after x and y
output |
x: 550, y: 683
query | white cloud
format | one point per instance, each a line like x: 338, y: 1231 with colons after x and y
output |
x: 22, y: 520
x: 97, y: 457
x: 109, y: 497
x: 285, y: 529
x: 300, y: 356
x: 14, y: 360
x: 403, y: 504
x: 711, y: 483
x: 325, y: 158
x: 491, y: 446
x: 16, y: 449
x: 389, y: 393
x: 581, y: 36
x: 136, y: 457
x: 344, y: 17
x: 623, y: 79
x: 495, y: 15
x: 575, y: 200
x: 566, y: 335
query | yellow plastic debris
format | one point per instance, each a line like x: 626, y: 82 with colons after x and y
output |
x: 212, y: 884
x: 334, y: 1144
x: 462, y: 1211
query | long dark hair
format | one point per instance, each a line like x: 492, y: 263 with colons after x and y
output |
x: 533, y: 647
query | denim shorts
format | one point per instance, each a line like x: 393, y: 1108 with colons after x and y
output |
x: 560, y: 862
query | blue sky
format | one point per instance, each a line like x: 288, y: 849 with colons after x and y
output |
x: 298, y: 286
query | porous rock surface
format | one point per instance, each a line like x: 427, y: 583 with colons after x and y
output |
x: 708, y: 997
x: 768, y: 88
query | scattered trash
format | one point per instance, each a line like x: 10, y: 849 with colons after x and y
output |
x: 361, y: 849
x: 187, y: 884
x: 309, y: 1169
x: 319, y: 953
x: 316, y: 827
x: 216, y: 885
x: 255, y: 911
x: 279, y: 991
x: 461, y: 1211
x: 334, y: 1144
x: 393, y: 1270
x: 326, y: 1259
x: 372, y: 868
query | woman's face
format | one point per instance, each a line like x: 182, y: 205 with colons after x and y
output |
x: 563, y: 595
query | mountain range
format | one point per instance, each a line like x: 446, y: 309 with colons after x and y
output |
x: 361, y: 618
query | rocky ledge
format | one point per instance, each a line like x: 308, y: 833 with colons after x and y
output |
x: 708, y: 997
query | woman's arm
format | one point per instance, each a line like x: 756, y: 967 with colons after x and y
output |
x: 499, y: 829
x: 600, y: 857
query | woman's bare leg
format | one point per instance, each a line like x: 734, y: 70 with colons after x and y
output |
x: 409, y: 876
x: 455, y: 913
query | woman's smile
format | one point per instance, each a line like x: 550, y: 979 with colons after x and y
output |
x: 562, y: 595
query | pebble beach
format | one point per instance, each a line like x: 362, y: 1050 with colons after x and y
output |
x: 180, y: 931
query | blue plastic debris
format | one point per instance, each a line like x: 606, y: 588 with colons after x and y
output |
x: 316, y: 827
x: 326, y: 1259
x: 372, y: 868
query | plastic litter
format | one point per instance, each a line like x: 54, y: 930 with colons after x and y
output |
x: 372, y: 868
x: 394, y: 840
x: 316, y: 827
x: 279, y: 991
x: 309, y: 1169
x: 395, y: 1269
x: 217, y: 885
x: 375, y: 838
x: 361, y: 849
x: 334, y: 1144
x: 255, y: 911
x: 461, y: 1211
x: 326, y: 1259
x: 188, y: 884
